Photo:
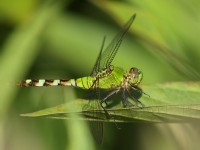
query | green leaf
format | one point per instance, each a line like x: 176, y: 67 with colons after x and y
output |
x: 168, y: 102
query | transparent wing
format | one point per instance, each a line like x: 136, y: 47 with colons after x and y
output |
x: 93, y: 106
x: 96, y: 127
x: 96, y: 67
x: 111, y: 50
x: 104, y: 60
x: 94, y: 100
x: 97, y: 131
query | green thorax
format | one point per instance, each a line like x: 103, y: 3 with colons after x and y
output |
x: 105, y: 79
x: 109, y: 78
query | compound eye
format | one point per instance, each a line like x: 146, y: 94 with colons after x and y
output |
x: 133, y: 70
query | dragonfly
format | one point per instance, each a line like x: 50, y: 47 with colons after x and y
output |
x: 104, y: 76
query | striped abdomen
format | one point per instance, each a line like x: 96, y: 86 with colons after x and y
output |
x: 85, y: 82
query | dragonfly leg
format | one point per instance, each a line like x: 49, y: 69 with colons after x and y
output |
x: 110, y: 94
x: 125, y: 102
x: 105, y: 99
x: 106, y: 103
x: 135, y: 99
x: 139, y: 91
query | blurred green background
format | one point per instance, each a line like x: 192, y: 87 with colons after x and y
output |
x: 61, y: 39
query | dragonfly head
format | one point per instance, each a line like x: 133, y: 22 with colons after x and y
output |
x: 135, y: 76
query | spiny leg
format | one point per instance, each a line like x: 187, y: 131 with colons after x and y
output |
x: 139, y: 91
x: 135, y: 99
x: 105, y: 99
x: 125, y: 102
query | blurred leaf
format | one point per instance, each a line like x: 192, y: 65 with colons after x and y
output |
x: 12, y: 11
x: 169, y: 102
x: 15, y: 57
x: 18, y: 52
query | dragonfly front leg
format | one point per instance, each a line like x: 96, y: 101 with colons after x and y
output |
x: 134, y: 98
x: 139, y: 91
